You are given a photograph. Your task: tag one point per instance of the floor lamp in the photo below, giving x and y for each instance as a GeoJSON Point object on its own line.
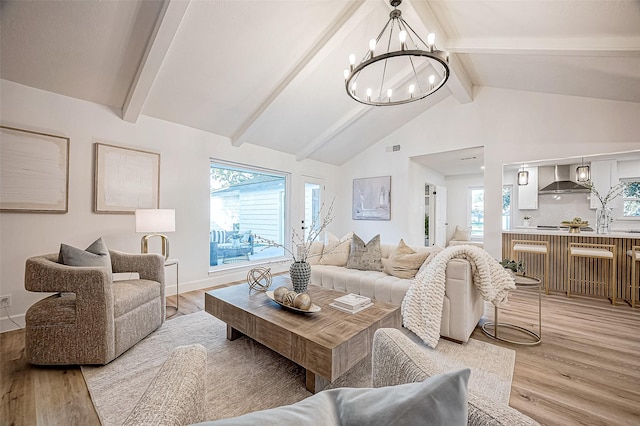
{"type": "Point", "coordinates": [155, 221]}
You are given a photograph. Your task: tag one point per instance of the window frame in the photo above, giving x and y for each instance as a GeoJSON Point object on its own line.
{"type": "Point", "coordinates": [625, 199]}
{"type": "Point", "coordinates": [286, 219]}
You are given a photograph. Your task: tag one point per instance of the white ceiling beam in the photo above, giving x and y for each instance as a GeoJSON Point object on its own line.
{"type": "Point", "coordinates": [459, 82]}
{"type": "Point", "coordinates": [164, 32]}
{"type": "Point", "coordinates": [320, 49]}
{"type": "Point", "coordinates": [601, 46]}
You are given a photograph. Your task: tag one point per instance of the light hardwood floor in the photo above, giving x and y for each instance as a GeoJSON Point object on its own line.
{"type": "Point", "coordinates": [586, 371]}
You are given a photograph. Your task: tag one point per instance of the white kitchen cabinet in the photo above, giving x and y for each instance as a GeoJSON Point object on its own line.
{"type": "Point", "coordinates": [528, 194]}
{"type": "Point", "coordinates": [604, 175]}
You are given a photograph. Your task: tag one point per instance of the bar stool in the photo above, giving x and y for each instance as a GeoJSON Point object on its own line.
{"type": "Point", "coordinates": [634, 253]}
{"type": "Point", "coordinates": [594, 251]}
{"type": "Point", "coordinates": [533, 247]}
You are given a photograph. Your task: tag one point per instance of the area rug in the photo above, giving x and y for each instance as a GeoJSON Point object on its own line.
{"type": "Point", "coordinates": [245, 376]}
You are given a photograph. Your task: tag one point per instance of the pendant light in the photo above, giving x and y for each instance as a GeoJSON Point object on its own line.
{"type": "Point", "coordinates": [523, 177]}
{"type": "Point", "coordinates": [583, 173]}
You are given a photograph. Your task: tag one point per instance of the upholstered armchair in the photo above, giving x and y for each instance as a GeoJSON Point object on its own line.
{"type": "Point", "coordinates": [92, 319]}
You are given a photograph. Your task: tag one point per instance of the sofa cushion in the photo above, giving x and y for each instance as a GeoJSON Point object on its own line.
{"type": "Point", "coordinates": [365, 257]}
{"type": "Point", "coordinates": [96, 254]}
{"type": "Point", "coordinates": [336, 251]}
{"type": "Point", "coordinates": [439, 400]}
{"type": "Point", "coordinates": [404, 262]}
{"type": "Point", "coordinates": [131, 294]}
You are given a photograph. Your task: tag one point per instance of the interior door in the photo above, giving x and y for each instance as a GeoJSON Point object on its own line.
{"type": "Point", "coordinates": [313, 197]}
{"type": "Point", "coordinates": [440, 195]}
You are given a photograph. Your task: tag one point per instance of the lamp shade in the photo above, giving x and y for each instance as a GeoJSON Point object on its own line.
{"type": "Point", "coordinates": [155, 220]}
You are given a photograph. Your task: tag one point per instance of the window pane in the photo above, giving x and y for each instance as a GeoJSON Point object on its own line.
{"type": "Point", "coordinates": [631, 196]}
{"type": "Point", "coordinates": [477, 212]}
{"type": "Point", "coordinates": [506, 206]}
{"type": "Point", "coordinates": [243, 203]}
{"type": "Point", "coordinates": [311, 207]}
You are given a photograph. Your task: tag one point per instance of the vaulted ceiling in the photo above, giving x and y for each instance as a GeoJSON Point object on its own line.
{"type": "Point", "coordinates": [269, 72]}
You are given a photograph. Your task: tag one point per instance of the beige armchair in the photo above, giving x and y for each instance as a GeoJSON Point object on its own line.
{"type": "Point", "coordinates": [92, 319]}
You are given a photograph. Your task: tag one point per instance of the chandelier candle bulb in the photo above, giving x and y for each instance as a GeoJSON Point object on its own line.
{"type": "Point", "coordinates": [369, 92]}
{"type": "Point", "coordinates": [353, 87]}
{"type": "Point", "coordinates": [432, 80]}
{"type": "Point", "coordinates": [389, 92]}
{"type": "Point", "coordinates": [412, 88]}
{"type": "Point", "coordinates": [403, 39]}
{"type": "Point", "coordinates": [346, 74]}
{"type": "Point", "coordinates": [431, 40]}
{"type": "Point", "coordinates": [372, 46]}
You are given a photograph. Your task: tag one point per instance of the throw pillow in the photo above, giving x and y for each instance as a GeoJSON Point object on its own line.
{"type": "Point", "coordinates": [462, 234]}
{"type": "Point", "coordinates": [96, 254]}
{"type": "Point", "coordinates": [439, 400]}
{"type": "Point", "coordinates": [335, 251]}
{"type": "Point", "coordinates": [366, 257]}
{"type": "Point", "coordinates": [404, 262]}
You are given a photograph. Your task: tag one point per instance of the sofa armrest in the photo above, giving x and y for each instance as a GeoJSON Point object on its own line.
{"type": "Point", "coordinates": [466, 306]}
{"type": "Point", "coordinates": [396, 360]}
{"type": "Point", "coordinates": [177, 395]}
{"type": "Point", "coordinates": [150, 266]}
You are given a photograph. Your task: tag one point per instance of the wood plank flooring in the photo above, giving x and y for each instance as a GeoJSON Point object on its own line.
{"type": "Point", "coordinates": [585, 372]}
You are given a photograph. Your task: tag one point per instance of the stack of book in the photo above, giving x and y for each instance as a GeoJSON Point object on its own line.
{"type": "Point", "coordinates": [351, 303]}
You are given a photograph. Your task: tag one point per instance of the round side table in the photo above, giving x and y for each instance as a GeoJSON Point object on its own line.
{"type": "Point", "coordinates": [521, 282]}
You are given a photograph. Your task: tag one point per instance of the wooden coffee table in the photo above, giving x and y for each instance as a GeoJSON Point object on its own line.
{"type": "Point", "coordinates": [326, 343]}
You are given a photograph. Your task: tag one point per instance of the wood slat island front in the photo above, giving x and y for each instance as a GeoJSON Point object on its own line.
{"type": "Point", "coordinates": [558, 255]}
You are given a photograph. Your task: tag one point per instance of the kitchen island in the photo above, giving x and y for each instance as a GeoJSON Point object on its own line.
{"type": "Point", "coordinates": [558, 255]}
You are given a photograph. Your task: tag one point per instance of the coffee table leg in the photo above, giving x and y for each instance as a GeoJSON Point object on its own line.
{"type": "Point", "coordinates": [315, 383]}
{"type": "Point", "coordinates": [232, 333]}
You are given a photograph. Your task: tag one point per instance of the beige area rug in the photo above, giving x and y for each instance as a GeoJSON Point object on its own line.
{"type": "Point", "coordinates": [245, 376]}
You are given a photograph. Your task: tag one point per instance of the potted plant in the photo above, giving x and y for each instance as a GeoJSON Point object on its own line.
{"type": "Point", "coordinates": [516, 266]}
{"type": "Point", "coordinates": [526, 220]}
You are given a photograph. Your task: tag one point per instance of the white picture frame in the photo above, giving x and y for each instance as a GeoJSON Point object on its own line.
{"type": "Point", "coordinates": [34, 171]}
{"type": "Point", "coordinates": [125, 179]}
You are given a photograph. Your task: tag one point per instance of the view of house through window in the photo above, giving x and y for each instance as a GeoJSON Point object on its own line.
{"type": "Point", "coordinates": [245, 202]}
{"type": "Point", "coordinates": [631, 198]}
{"type": "Point", "coordinates": [477, 212]}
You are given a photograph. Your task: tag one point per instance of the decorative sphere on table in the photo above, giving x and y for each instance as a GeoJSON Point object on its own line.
{"type": "Point", "coordinates": [302, 301]}
{"type": "Point", "coordinates": [289, 298]}
{"type": "Point", "coordinates": [259, 279]}
{"type": "Point", "coordinates": [279, 293]}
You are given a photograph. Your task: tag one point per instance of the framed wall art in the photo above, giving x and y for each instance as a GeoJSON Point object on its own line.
{"type": "Point", "coordinates": [34, 172]}
{"type": "Point", "coordinates": [125, 179]}
{"type": "Point", "coordinates": [372, 198]}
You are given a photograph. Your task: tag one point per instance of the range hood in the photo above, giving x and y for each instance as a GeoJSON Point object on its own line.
{"type": "Point", "coordinates": [563, 184]}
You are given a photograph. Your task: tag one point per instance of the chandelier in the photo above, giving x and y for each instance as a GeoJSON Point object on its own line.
{"type": "Point", "coordinates": [397, 75]}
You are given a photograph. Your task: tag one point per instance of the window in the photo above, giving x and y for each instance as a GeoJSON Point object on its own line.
{"type": "Point", "coordinates": [477, 212]}
{"type": "Point", "coordinates": [245, 202]}
{"type": "Point", "coordinates": [631, 198]}
{"type": "Point", "coordinates": [506, 206]}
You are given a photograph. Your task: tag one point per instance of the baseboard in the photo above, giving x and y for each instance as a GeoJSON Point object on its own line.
{"type": "Point", "coordinates": [7, 325]}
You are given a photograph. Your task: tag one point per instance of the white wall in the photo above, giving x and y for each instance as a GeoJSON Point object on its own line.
{"type": "Point", "coordinates": [184, 185]}
{"type": "Point", "coordinates": [513, 126]}
{"type": "Point", "coordinates": [459, 200]}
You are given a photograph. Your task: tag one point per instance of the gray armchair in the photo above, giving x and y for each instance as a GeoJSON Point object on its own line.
{"type": "Point", "coordinates": [92, 319]}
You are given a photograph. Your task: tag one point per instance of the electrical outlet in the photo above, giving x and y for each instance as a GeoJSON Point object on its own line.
{"type": "Point", "coordinates": [5, 301]}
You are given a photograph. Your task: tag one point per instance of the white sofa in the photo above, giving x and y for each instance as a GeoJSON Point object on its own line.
{"type": "Point", "coordinates": [463, 306]}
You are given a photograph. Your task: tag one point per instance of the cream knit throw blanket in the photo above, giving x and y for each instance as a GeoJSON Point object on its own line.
{"type": "Point", "coordinates": [422, 305]}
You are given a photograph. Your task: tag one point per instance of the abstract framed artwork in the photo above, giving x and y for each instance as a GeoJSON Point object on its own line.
{"type": "Point", "coordinates": [372, 198]}
{"type": "Point", "coordinates": [34, 172]}
{"type": "Point", "coordinates": [125, 179]}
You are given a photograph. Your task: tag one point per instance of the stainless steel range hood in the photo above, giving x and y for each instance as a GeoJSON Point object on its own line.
{"type": "Point", "coordinates": [563, 184]}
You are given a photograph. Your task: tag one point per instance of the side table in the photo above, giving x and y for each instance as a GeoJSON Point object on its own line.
{"type": "Point", "coordinates": [171, 262]}
{"type": "Point", "coordinates": [521, 282]}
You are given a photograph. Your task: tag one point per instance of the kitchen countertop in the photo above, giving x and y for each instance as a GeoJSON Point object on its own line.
{"type": "Point", "coordinates": [535, 231]}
